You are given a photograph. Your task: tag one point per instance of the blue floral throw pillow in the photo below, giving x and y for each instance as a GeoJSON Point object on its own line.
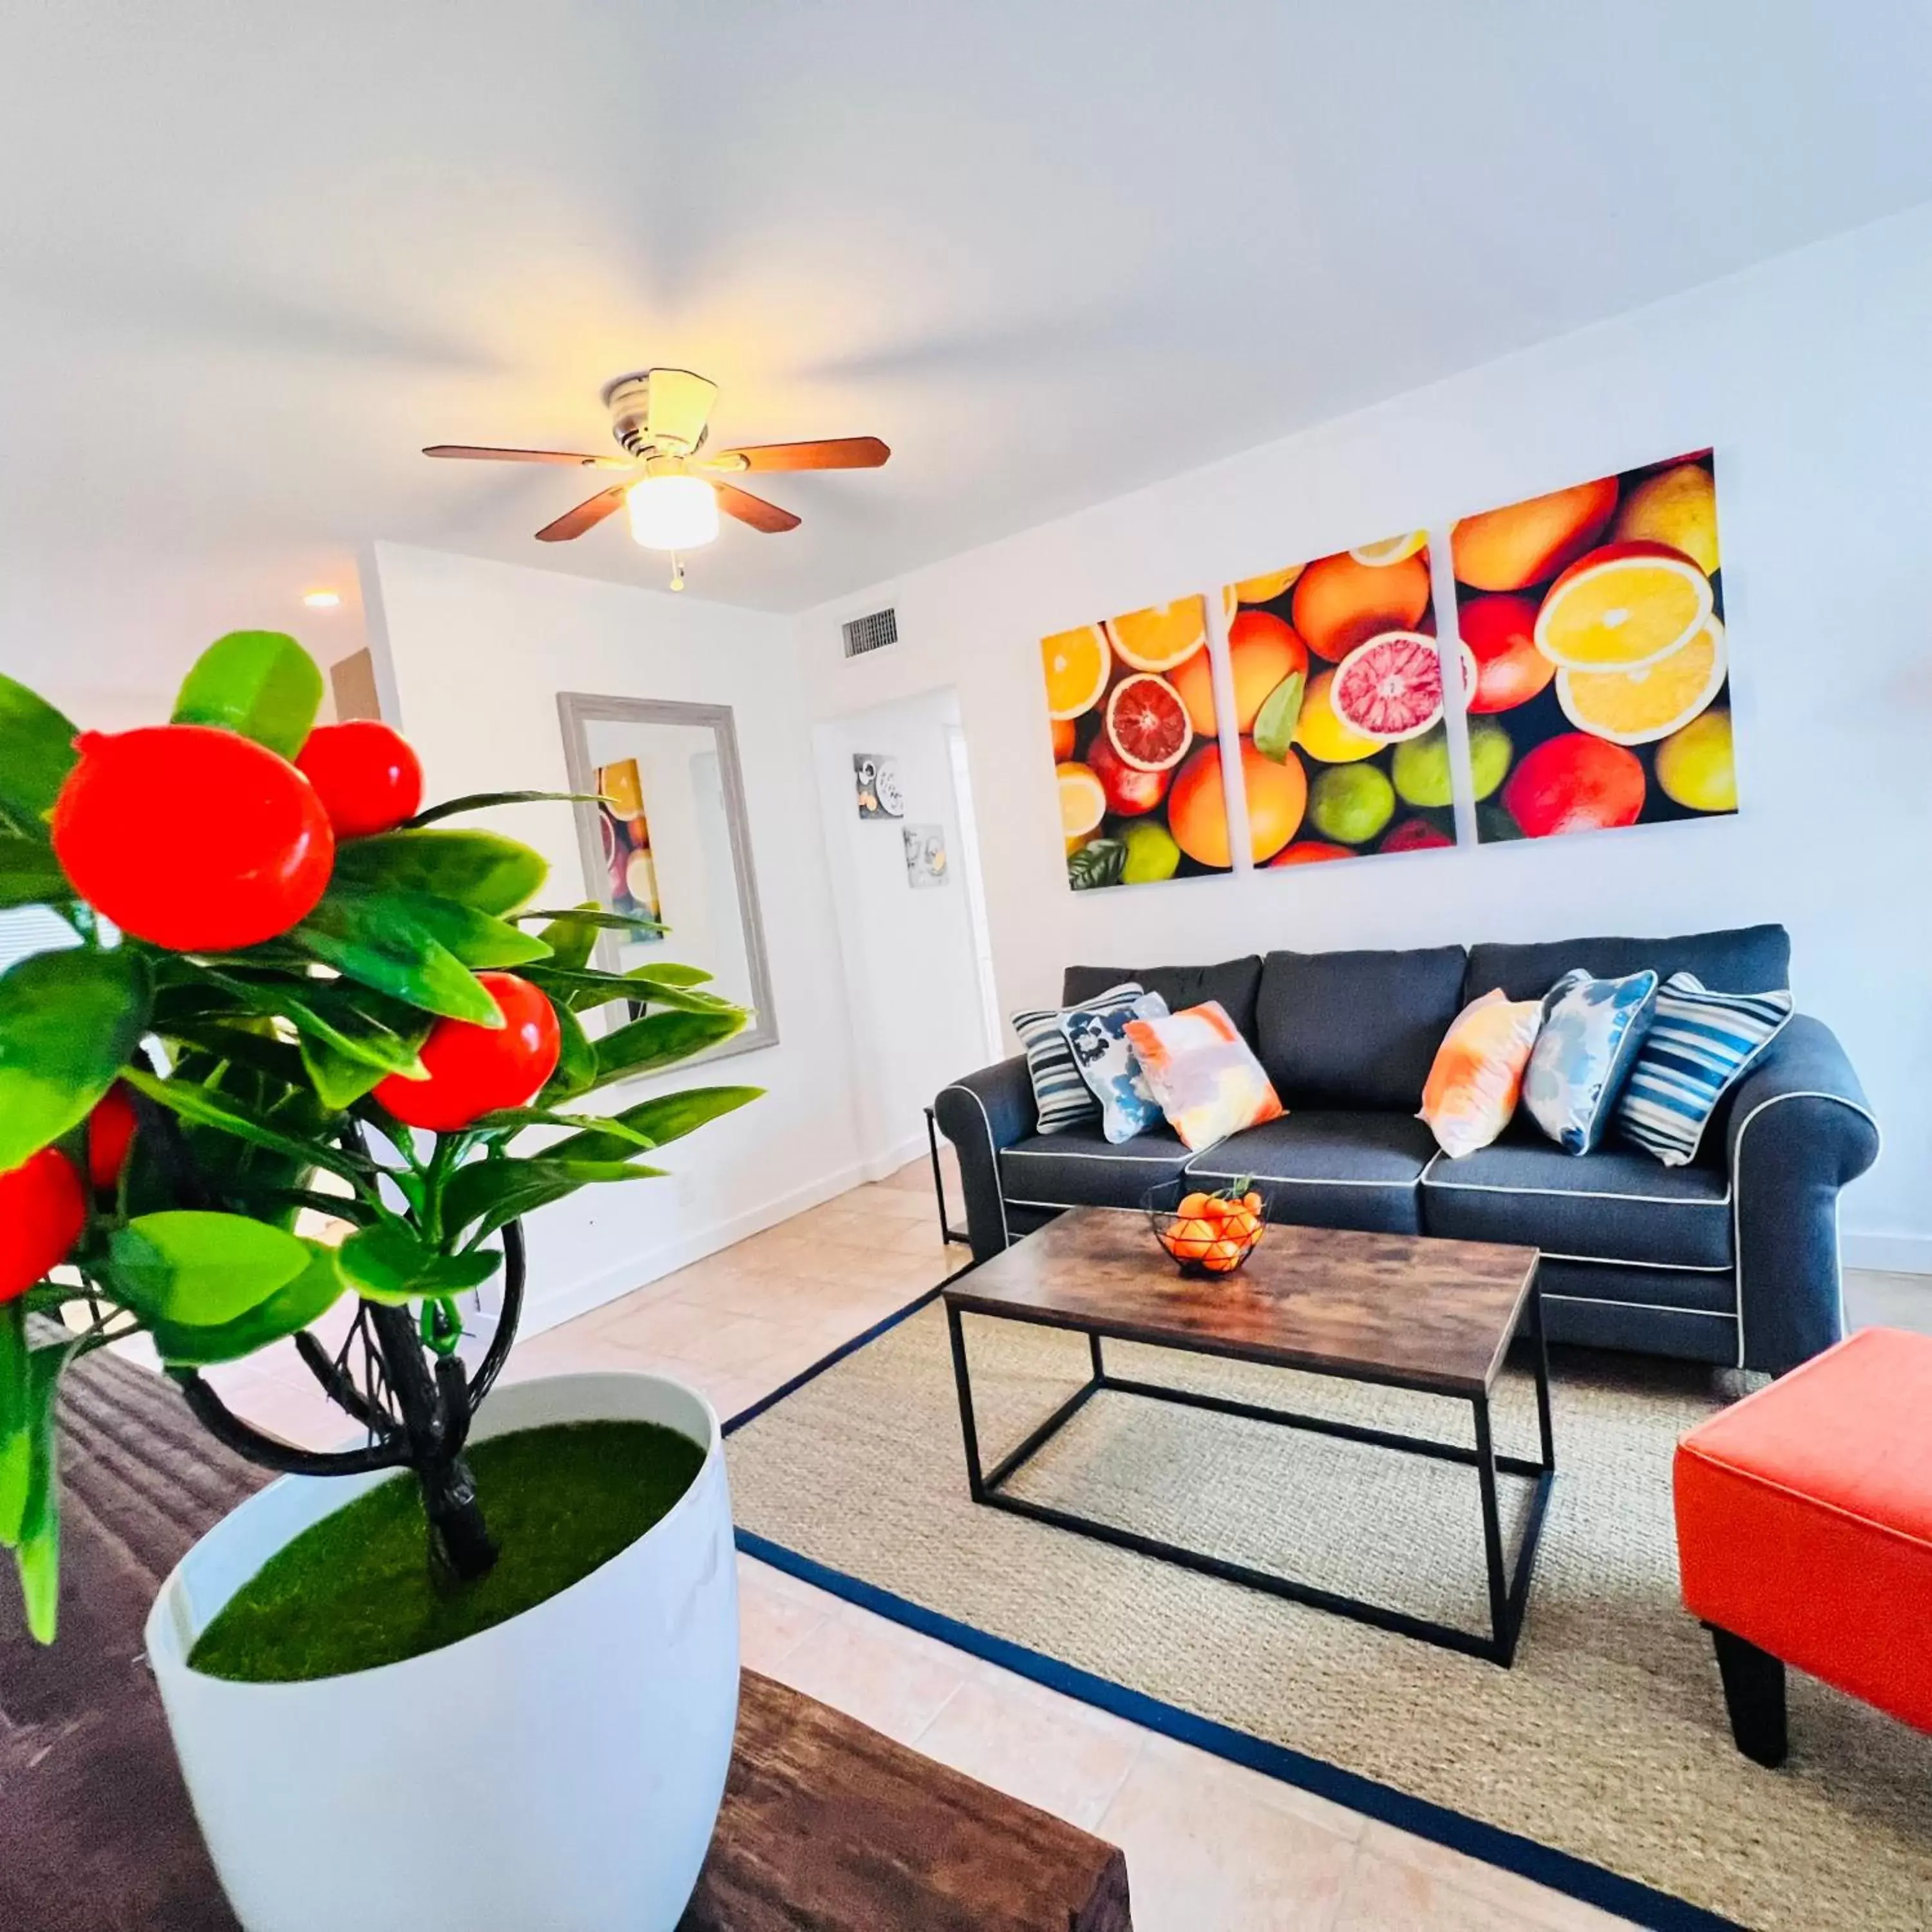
{"type": "Point", "coordinates": [1097, 1035]}
{"type": "Point", "coordinates": [1062, 1098]}
{"type": "Point", "coordinates": [1592, 1030]}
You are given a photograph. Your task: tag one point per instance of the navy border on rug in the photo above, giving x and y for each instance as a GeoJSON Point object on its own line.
{"type": "Point", "coordinates": [1561, 1871]}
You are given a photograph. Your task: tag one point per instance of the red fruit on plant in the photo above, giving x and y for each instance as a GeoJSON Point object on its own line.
{"type": "Point", "coordinates": [192, 838]}
{"type": "Point", "coordinates": [474, 1070]}
{"type": "Point", "coordinates": [110, 1131]}
{"type": "Point", "coordinates": [1414, 835]}
{"type": "Point", "coordinates": [1129, 790]}
{"type": "Point", "coordinates": [1575, 783]}
{"type": "Point", "coordinates": [1500, 633]}
{"type": "Point", "coordinates": [366, 775]}
{"type": "Point", "coordinates": [42, 1212]}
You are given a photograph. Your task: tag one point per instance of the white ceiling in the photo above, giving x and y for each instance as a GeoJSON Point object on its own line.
{"type": "Point", "coordinates": [252, 257]}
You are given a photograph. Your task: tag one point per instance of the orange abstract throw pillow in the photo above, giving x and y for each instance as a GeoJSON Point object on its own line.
{"type": "Point", "coordinates": [1202, 1074]}
{"type": "Point", "coordinates": [1478, 1077]}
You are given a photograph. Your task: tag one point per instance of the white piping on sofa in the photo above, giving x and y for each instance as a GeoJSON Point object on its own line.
{"type": "Point", "coordinates": [1737, 1231]}
{"type": "Point", "coordinates": [993, 1154]}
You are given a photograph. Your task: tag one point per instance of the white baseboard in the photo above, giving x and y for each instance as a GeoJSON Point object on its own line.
{"type": "Point", "coordinates": [636, 1270]}
{"type": "Point", "coordinates": [1890, 1254]}
{"type": "Point", "coordinates": [882, 1166]}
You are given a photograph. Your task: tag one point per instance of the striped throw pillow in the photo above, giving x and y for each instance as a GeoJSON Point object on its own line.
{"type": "Point", "coordinates": [1697, 1045]}
{"type": "Point", "coordinates": [1064, 1098]}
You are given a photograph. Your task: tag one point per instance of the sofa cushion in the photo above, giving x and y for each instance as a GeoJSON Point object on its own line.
{"type": "Point", "coordinates": [1329, 1169]}
{"type": "Point", "coordinates": [1614, 1205]}
{"type": "Point", "coordinates": [1079, 1169]}
{"type": "Point", "coordinates": [1356, 1030]}
{"type": "Point", "coordinates": [1748, 959]}
{"type": "Point", "coordinates": [1232, 983]}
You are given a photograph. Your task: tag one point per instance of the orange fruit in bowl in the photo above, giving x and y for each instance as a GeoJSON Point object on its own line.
{"type": "Point", "coordinates": [1638, 707]}
{"type": "Point", "coordinates": [1528, 542]}
{"type": "Point", "coordinates": [1252, 1202]}
{"type": "Point", "coordinates": [1621, 606]}
{"type": "Point", "coordinates": [1340, 603]}
{"type": "Point", "coordinates": [1193, 1203]}
{"type": "Point", "coordinates": [1078, 667]}
{"type": "Point", "coordinates": [1188, 1240]}
{"type": "Point", "coordinates": [1223, 1257]}
{"type": "Point", "coordinates": [1161, 637]}
{"type": "Point", "coordinates": [1083, 799]}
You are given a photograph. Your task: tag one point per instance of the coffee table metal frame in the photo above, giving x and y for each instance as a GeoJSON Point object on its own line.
{"type": "Point", "coordinates": [1507, 1594]}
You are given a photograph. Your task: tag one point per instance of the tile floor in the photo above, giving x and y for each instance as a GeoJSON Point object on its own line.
{"type": "Point", "coordinates": [1210, 1847]}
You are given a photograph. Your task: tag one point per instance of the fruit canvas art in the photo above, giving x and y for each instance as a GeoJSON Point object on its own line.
{"type": "Point", "coordinates": [1137, 758]}
{"type": "Point", "coordinates": [1592, 622]}
{"type": "Point", "coordinates": [1339, 695]}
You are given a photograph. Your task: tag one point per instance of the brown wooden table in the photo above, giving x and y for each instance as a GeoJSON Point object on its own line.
{"type": "Point", "coordinates": [826, 1825]}
{"type": "Point", "coordinates": [1404, 1311]}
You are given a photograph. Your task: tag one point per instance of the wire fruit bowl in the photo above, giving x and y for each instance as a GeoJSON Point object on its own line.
{"type": "Point", "coordinates": [1208, 1233]}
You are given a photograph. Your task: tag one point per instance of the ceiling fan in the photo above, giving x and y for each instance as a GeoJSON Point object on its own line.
{"type": "Point", "coordinates": [660, 419]}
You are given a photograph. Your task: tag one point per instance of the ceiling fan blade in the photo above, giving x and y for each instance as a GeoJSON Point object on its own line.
{"type": "Point", "coordinates": [473, 453]}
{"type": "Point", "coordinates": [587, 515]}
{"type": "Point", "coordinates": [837, 452]}
{"type": "Point", "coordinates": [753, 510]}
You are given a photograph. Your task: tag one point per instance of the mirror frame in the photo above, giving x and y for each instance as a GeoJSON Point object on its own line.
{"type": "Point", "coordinates": [577, 710]}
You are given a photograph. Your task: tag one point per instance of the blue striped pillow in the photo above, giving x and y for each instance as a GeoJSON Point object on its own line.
{"type": "Point", "coordinates": [1697, 1045]}
{"type": "Point", "coordinates": [1064, 1099]}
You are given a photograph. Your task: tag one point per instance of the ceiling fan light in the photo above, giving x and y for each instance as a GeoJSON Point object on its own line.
{"type": "Point", "coordinates": [673, 512]}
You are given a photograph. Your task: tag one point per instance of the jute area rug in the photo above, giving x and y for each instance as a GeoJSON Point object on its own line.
{"type": "Point", "coordinates": [1607, 1740]}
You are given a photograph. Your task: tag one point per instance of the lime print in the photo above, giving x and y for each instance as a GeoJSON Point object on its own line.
{"type": "Point", "coordinates": [1152, 854]}
{"type": "Point", "coordinates": [1352, 803]}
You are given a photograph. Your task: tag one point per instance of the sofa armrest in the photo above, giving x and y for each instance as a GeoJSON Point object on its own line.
{"type": "Point", "coordinates": [980, 1115]}
{"type": "Point", "coordinates": [1799, 1129]}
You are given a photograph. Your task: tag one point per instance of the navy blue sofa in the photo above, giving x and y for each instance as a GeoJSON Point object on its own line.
{"type": "Point", "coordinates": [1732, 1259]}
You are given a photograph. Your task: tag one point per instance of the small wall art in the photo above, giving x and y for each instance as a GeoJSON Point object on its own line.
{"type": "Point", "coordinates": [1593, 631]}
{"type": "Point", "coordinates": [1136, 757]}
{"type": "Point", "coordinates": [876, 780]}
{"type": "Point", "coordinates": [926, 855]}
{"type": "Point", "coordinates": [1339, 695]}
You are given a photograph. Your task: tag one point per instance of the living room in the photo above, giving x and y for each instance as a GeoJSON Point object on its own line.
{"type": "Point", "coordinates": [1280, 450]}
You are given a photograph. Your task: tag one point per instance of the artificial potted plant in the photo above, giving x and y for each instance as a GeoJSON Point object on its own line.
{"type": "Point", "coordinates": [310, 1047]}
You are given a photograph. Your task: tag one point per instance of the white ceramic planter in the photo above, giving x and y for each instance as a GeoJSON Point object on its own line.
{"type": "Point", "coordinates": [561, 1771]}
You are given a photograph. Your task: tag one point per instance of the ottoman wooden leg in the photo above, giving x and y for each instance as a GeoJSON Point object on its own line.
{"type": "Point", "coordinates": [1754, 1696]}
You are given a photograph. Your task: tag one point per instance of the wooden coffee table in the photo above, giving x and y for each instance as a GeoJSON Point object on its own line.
{"type": "Point", "coordinates": [1403, 1311]}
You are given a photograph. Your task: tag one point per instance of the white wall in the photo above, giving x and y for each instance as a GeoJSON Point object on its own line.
{"type": "Point", "coordinates": [478, 652]}
{"type": "Point", "coordinates": [1809, 374]}
{"type": "Point", "coordinates": [910, 971]}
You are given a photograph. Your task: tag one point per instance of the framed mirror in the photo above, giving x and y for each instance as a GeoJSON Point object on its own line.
{"type": "Point", "coordinates": [671, 841]}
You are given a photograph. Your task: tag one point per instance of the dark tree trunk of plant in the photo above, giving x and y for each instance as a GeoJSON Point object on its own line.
{"type": "Point", "coordinates": [435, 1411]}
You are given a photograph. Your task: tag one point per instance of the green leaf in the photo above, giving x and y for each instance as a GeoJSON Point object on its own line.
{"type": "Point", "coordinates": [585, 991]}
{"type": "Point", "coordinates": [16, 1439]}
{"type": "Point", "coordinates": [601, 919]}
{"type": "Point", "coordinates": [513, 1120]}
{"type": "Point", "coordinates": [492, 874]}
{"type": "Point", "coordinates": [203, 1107]}
{"type": "Point", "coordinates": [481, 801]}
{"type": "Point", "coordinates": [184, 1266]}
{"type": "Point", "coordinates": [36, 755]}
{"type": "Point", "coordinates": [374, 938]}
{"type": "Point", "coordinates": [30, 875]}
{"type": "Point", "coordinates": [331, 1013]}
{"type": "Point", "coordinates": [260, 683]}
{"type": "Point", "coordinates": [1275, 721]}
{"type": "Point", "coordinates": [1099, 863]}
{"type": "Point", "coordinates": [495, 1192]}
{"type": "Point", "coordinates": [37, 1557]}
{"type": "Point", "coordinates": [572, 937]}
{"type": "Point", "coordinates": [668, 1118]}
{"type": "Point", "coordinates": [576, 1061]}
{"type": "Point", "coordinates": [69, 1022]}
{"type": "Point", "coordinates": [476, 938]}
{"type": "Point", "coordinates": [391, 1263]}
{"type": "Point", "coordinates": [668, 972]}
{"type": "Point", "coordinates": [661, 1039]}
{"type": "Point", "coordinates": [292, 1307]}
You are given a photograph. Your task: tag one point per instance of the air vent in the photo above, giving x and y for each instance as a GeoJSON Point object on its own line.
{"type": "Point", "coordinates": [872, 633]}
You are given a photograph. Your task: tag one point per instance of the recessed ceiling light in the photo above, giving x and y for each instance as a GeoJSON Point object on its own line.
{"type": "Point", "coordinates": [322, 600]}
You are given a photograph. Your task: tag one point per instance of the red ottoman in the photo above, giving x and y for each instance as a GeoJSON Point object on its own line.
{"type": "Point", "coordinates": [1804, 1535]}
